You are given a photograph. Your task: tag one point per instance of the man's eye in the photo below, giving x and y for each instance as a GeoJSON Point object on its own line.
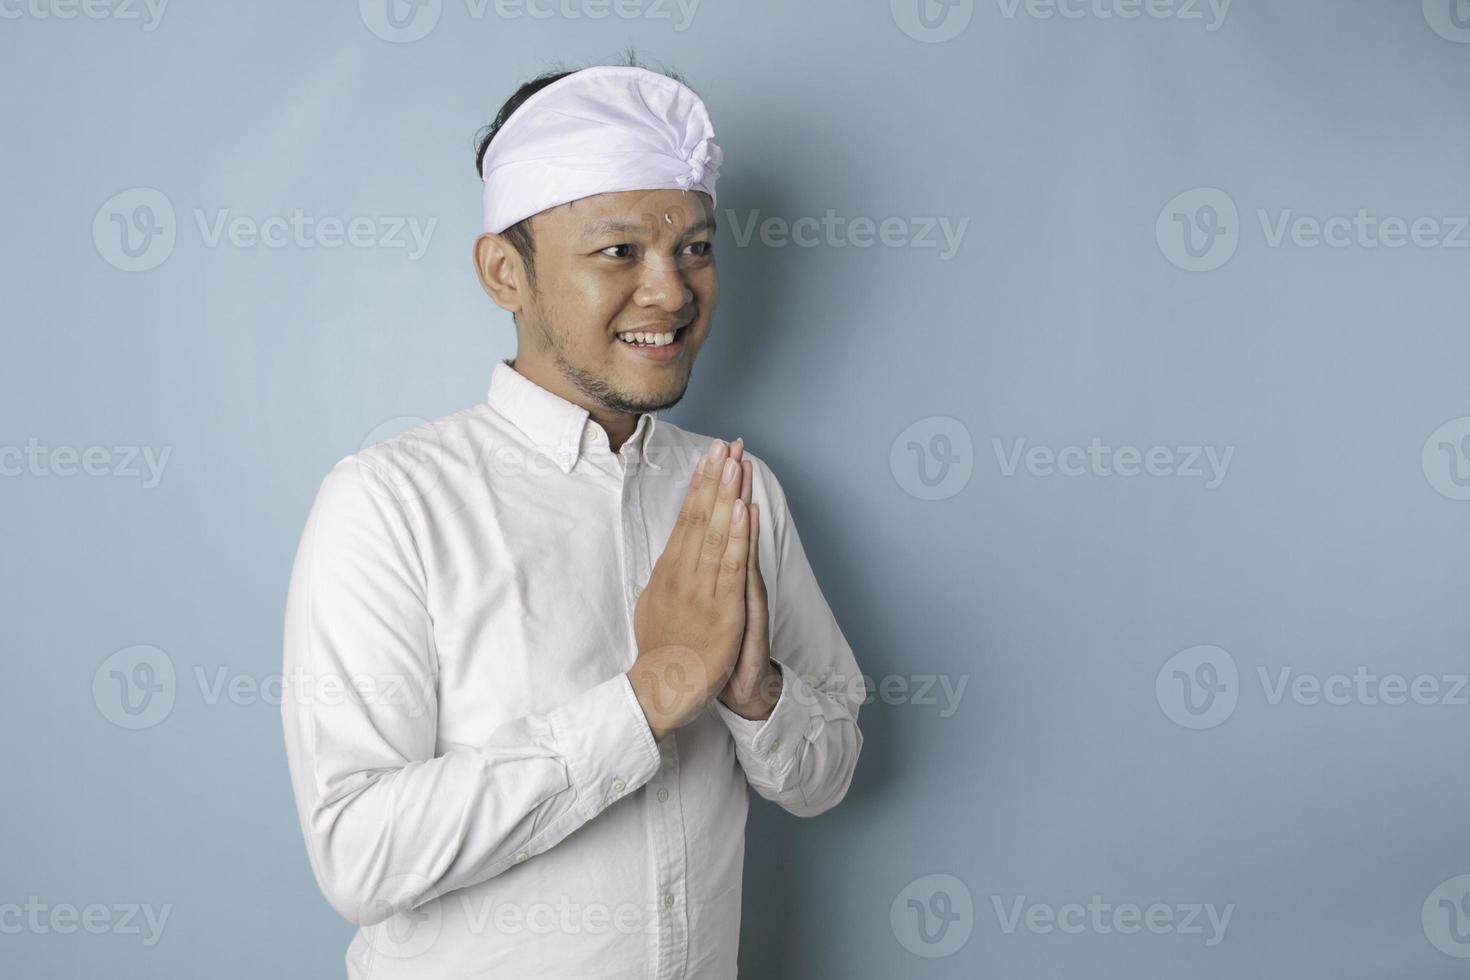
{"type": "Point", "coordinates": [624, 255]}
{"type": "Point", "coordinates": [702, 248]}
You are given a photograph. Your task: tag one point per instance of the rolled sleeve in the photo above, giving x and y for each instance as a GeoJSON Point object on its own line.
{"type": "Point", "coordinates": [767, 747]}
{"type": "Point", "coordinates": [803, 755]}
{"type": "Point", "coordinates": [605, 738]}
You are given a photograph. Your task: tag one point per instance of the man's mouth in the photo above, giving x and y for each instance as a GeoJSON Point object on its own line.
{"type": "Point", "coordinates": [653, 338]}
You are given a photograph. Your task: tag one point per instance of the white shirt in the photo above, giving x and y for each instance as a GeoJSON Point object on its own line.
{"type": "Point", "coordinates": [477, 784]}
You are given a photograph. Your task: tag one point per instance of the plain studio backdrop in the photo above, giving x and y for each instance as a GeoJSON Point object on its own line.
{"type": "Point", "coordinates": [1112, 354]}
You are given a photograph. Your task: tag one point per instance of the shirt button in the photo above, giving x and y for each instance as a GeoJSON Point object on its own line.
{"type": "Point", "coordinates": [668, 899]}
{"type": "Point", "coordinates": [521, 856]}
{"type": "Point", "coordinates": [637, 591]}
{"type": "Point", "coordinates": [663, 795]}
{"type": "Point", "coordinates": [775, 744]}
{"type": "Point", "coordinates": [564, 457]}
{"type": "Point", "coordinates": [617, 785]}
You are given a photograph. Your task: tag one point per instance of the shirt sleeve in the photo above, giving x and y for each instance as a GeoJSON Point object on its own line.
{"type": "Point", "coordinates": [388, 823]}
{"type": "Point", "coordinates": [803, 755]}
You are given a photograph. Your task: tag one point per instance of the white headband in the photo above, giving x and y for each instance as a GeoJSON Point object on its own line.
{"type": "Point", "coordinates": [597, 131]}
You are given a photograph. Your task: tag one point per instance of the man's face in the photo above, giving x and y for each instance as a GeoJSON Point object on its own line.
{"type": "Point", "coordinates": [640, 261]}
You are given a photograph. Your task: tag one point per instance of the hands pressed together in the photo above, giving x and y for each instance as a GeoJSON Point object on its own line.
{"type": "Point", "coordinates": [702, 623]}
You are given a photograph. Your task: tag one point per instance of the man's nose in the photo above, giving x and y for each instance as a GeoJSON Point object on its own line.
{"type": "Point", "coordinates": [662, 285]}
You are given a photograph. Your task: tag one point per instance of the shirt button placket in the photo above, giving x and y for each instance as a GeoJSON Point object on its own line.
{"type": "Point", "coordinates": [667, 819]}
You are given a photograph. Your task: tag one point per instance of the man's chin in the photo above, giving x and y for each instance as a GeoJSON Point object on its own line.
{"type": "Point", "coordinates": [638, 399]}
{"type": "Point", "coordinates": [622, 384]}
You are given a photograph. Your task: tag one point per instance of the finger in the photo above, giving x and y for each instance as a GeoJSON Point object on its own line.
{"type": "Point", "coordinates": [737, 453]}
{"type": "Point", "coordinates": [674, 546]}
{"type": "Point", "coordinates": [755, 585]}
{"type": "Point", "coordinates": [733, 565]}
{"type": "Point", "coordinates": [716, 536]}
{"type": "Point", "coordinates": [699, 502]}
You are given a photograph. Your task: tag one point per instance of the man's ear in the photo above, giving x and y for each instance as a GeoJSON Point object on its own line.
{"type": "Point", "coordinates": [502, 275]}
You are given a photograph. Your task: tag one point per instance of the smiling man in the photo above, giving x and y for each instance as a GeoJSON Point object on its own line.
{"type": "Point", "coordinates": [537, 651]}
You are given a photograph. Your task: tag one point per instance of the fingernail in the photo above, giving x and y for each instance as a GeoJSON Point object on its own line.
{"type": "Point", "coordinates": [716, 450]}
{"type": "Point", "coordinates": [730, 470]}
{"type": "Point", "coordinates": [737, 513]}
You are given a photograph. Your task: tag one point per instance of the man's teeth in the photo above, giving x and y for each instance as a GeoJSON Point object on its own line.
{"type": "Point", "coordinates": [648, 339]}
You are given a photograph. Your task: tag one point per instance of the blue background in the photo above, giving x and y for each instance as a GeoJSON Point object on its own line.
{"type": "Point", "coordinates": [1334, 541]}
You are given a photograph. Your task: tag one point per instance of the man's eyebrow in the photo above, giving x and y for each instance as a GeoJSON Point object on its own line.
{"type": "Point", "coordinates": [610, 227]}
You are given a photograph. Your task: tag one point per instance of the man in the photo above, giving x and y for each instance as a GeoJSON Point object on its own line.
{"type": "Point", "coordinates": [520, 746]}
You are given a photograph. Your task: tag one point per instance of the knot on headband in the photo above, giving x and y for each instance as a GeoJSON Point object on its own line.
{"type": "Point", "coordinates": [598, 131]}
{"type": "Point", "coordinates": [706, 155]}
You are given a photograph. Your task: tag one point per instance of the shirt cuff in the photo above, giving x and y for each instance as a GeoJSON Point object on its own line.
{"type": "Point", "coordinates": [770, 745]}
{"type": "Point", "coordinates": [605, 739]}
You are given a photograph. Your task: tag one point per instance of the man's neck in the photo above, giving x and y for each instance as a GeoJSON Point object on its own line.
{"type": "Point", "coordinates": [619, 426]}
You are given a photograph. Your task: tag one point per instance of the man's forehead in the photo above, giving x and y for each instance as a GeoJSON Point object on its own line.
{"type": "Point", "coordinates": [649, 214]}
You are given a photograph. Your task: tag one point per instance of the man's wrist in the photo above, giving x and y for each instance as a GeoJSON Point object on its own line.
{"type": "Point", "coordinates": [767, 694]}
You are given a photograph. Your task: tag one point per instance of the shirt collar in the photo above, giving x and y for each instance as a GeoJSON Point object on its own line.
{"type": "Point", "coordinates": [552, 423]}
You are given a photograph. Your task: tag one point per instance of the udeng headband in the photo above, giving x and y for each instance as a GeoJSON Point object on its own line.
{"type": "Point", "coordinates": [598, 131]}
